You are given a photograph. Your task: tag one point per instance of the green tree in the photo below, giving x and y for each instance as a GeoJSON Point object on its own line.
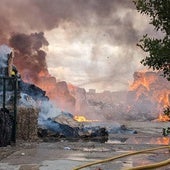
{"type": "Point", "coordinates": [158, 50]}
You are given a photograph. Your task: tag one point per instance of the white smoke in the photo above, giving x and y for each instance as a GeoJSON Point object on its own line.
{"type": "Point", "coordinates": [4, 51]}
{"type": "Point", "coordinates": [48, 110]}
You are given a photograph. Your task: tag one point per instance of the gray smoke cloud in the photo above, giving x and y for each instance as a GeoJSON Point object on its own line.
{"type": "Point", "coordinates": [30, 59]}
{"type": "Point", "coordinates": [4, 52]}
{"type": "Point", "coordinates": [96, 38]}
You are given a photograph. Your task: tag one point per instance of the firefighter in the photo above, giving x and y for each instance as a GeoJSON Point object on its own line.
{"type": "Point", "coordinates": [14, 71]}
{"type": "Point", "coordinates": [166, 131]}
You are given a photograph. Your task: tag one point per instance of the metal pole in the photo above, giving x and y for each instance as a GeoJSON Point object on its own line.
{"type": "Point", "coordinates": [4, 92]}
{"type": "Point", "coordinates": [15, 81]}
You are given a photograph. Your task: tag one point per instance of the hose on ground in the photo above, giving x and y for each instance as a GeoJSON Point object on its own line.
{"type": "Point", "coordinates": [124, 155]}
{"type": "Point", "coordinates": [151, 166]}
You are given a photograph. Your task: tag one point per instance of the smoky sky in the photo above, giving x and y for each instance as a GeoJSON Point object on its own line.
{"type": "Point", "coordinates": [24, 25]}
{"type": "Point", "coordinates": [42, 15]}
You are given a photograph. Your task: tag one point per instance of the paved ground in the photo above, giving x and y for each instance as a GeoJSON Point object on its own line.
{"type": "Point", "coordinates": [66, 155]}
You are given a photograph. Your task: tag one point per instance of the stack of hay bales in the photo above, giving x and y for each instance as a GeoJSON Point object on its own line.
{"type": "Point", "coordinates": [27, 123]}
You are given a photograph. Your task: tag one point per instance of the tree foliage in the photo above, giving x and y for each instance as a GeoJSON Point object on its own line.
{"type": "Point", "coordinates": [158, 50]}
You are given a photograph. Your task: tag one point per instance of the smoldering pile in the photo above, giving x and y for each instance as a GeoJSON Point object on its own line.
{"type": "Point", "coordinates": [55, 124]}
{"type": "Point", "coordinates": [38, 115]}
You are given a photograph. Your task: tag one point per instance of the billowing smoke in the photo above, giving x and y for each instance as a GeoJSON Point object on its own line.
{"type": "Point", "coordinates": [30, 58]}
{"type": "Point", "coordinates": [90, 42]}
{"type": "Point", "coordinates": [4, 51]}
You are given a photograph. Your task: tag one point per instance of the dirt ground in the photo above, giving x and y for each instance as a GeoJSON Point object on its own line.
{"type": "Point", "coordinates": [67, 155]}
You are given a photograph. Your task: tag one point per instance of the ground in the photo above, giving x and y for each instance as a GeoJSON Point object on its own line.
{"type": "Point", "coordinates": [67, 155]}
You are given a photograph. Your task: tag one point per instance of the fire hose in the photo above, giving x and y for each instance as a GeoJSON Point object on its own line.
{"type": "Point", "coordinates": [151, 166]}
{"type": "Point", "coordinates": [145, 167]}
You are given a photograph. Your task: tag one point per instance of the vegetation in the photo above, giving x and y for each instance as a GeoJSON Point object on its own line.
{"type": "Point", "coordinates": [158, 49]}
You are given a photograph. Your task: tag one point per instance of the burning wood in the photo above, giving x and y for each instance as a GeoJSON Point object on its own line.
{"type": "Point", "coordinates": [83, 119]}
{"type": "Point", "coordinates": [149, 93]}
{"type": "Point", "coordinates": [64, 125]}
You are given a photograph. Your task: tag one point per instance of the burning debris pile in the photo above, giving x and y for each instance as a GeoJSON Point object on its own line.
{"type": "Point", "coordinates": [146, 99]}
{"type": "Point", "coordinates": [35, 109]}
{"type": "Point", "coordinates": [52, 122]}
{"type": "Point", "coordinates": [64, 126]}
{"type": "Point", "coordinates": [149, 94]}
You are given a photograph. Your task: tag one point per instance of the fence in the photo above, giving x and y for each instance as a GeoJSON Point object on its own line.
{"type": "Point", "coordinates": [8, 111]}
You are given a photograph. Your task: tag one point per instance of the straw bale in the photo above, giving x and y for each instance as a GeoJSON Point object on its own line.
{"type": "Point", "coordinates": [66, 120]}
{"type": "Point", "coordinates": [27, 123]}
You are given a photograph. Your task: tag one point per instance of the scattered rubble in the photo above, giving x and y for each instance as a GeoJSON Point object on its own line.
{"type": "Point", "coordinates": [65, 126]}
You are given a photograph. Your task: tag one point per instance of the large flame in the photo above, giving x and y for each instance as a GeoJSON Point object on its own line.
{"type": "Point", "coordinates": [142, 79]}
{"type": "Point", "coordinates": [155, 88]}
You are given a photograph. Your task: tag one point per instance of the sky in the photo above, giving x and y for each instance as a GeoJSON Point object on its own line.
{"type": "Point", "coordinates": [91, 43]}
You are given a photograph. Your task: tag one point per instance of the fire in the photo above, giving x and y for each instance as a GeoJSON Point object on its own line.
{"type": "Point", "coordinates": [83, 119]}
{"type": "Point", "coordinates": [150, 140]}
{"type": "Point", "coordinates": [43, 74]}
{"type": "Point", "coordinates": [164, 99]}
{"type": "Point", "coordinates": [163, 118]}
{"type": "Point", "coordinates": [151, 87]}
{"type": "Point", "coordinates": [164, 140]}
{"type": "Point", "coordinates": [143, 80]}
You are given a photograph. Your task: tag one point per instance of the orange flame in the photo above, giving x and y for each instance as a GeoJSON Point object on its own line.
{"type": "Point", "coordinates": [164, 140]}
{"type": "Point", "coordinates": [163, 118]}
{"type": "Point", "coordinates": [83, 119]}
{"type": "Point", "coordinates": [151, 85]}
{"type": "Point", "coordinates": [152, 140]}
{"type": "Point", "coordinates": [43, 74]}
{"type": "Point", "coordinates": [143, 80]}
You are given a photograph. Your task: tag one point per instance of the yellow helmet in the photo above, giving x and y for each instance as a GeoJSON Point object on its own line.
{"type": "Point", "coordinates": [12, 73]}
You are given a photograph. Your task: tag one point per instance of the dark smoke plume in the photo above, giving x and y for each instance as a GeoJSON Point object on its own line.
{"type": "Point", "coordinates": [30, 59]}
